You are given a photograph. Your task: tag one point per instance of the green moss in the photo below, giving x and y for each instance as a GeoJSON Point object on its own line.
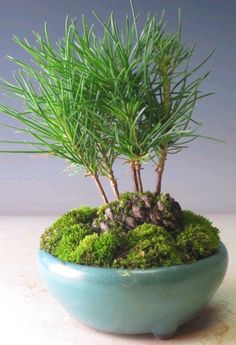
{"type": "Point", "coordinates": [147, 232]}
{"type": "Point", "coordinates": [74, 238]}
{"type": "Point", "coordinates": [101, 210]}
{"type": "Point", "coordinates": [165, 199]}
{"type": "Point", "coordinates": [72, 224]}
{"type": "Point", "coordinates": [124, 200]}
{"type": "Point", "coordinates": [191, 218]}
{"type": "Point", "coordinates": [198, 239]}
{"type": "Point", "coordinates": [83, 214]}
{"type": "Point", "coordinates": [97, 250]}
{"type": "Point", "coordinates": [71, 238]}
{"type": "Point", "coordinates": [149, 246]}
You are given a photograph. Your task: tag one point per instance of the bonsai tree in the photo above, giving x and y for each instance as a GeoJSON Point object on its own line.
{"type": "Point", "coordinates": [91, 100]}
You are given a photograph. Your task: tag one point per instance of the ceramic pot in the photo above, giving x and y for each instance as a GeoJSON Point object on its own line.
{"type": "Point", "coordinates": [135, 301]}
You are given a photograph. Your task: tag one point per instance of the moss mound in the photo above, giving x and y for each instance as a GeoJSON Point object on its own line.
{"type": "Point", "coordinates": [148, 245]}
{"type": "Point", "coordinates": [160, 234]}
{"type": "Point", "coordinates": [97, 250]}
{"type": "Point", "coordinates": [68, 231]}
{"type": "Point", "coordinates": [198, 239]}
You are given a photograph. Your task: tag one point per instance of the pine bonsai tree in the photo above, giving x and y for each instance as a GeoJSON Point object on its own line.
{"type": "Point", "coordinates": [91, 100]}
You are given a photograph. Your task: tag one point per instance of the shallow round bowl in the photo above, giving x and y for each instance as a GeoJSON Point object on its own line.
{"type": "Point", "coordinates": [156, 300]}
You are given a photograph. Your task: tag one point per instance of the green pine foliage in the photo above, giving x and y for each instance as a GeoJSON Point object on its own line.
{"type": "Point", "coordinates": [128, 93]}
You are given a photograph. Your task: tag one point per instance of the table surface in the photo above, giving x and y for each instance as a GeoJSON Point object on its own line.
{"type": "Point", "coordinates": [30, 315]}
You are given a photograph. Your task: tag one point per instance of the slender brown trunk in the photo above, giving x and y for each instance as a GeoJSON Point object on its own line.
{"type": "Point", "coordinates": [100, 188]}
{"type": "Point", "coordinates": [138, 174]}
{"type": "Point", "coordinates": [166, 90]}
{"type": "Point", "coordinates": [134, 176]}
{"type": "Point", "coordinates": [166, 111]}
{"type": "Point", "coordinates": [114, 184]}
{"type": "Point", "coordinates": [160, 169]}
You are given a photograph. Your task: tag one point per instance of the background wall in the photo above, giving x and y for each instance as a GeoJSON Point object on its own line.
{"type": "Point", "coordinates": [201, 178]}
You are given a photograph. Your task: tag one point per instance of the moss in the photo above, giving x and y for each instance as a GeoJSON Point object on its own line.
{"type": "Point", "coordinates": [101, 210]}
{"type": "Point", "coordinates": [74, 238]}
{"type": "Point", "coordinates": [191, 218]}
{"type": "Point", "coordinates": [124, 200]}
{"type": "Point", "coordinates": [198, 239]}
{"type": "Point", "coordinates": [71, 238]}
{"type": "Point", "coordinates": [97, 250]}
{"type": "Point", "coordinates": [71, 224]}
{"type": "Point", "coordinates": [149, 246]}
{"type": "Point", "coordinates": [83, 214]}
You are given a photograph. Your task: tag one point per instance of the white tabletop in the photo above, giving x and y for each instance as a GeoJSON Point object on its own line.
{"type": "Point", "coordinates": [29, 315]}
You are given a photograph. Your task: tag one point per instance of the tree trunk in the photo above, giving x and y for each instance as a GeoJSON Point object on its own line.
{"type": "Point", "coordinates": [160, 169]}
{"type": "Point", "coordinates": [138, 174]}
{"type": "Point", "coordinates": [100, 188]}
{"type": "Point", "coordinates": [166, 112]}
{"type": "Point", "coordinates": [114, 185]}
{"type": "Point", "coordinates": [134, 176]}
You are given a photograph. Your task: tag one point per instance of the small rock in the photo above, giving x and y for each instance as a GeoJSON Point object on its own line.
{"type": "Point", "coordinates": [160, 205]}
{"type": "Point", "coordinates": [123, 217]}
{"type": "Point", "coordinates": [146, 201]}
{"type": "Point", "coordinates": [103, 226]}
{"type": "Point", "coordinates": [154, 216]}
{"type": "Point", "coordinates": [109, 213]}
{"type": "Point", "coordinates": [137, 211]}
{"type": "Point", "coordinates": [130, 222]}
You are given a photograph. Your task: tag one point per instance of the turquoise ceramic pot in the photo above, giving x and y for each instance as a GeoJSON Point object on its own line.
{"type": "Point", "coordinates": [134, 301]}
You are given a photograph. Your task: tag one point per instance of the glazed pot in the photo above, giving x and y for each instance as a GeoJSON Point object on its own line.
{"type": "Point", "coordinates": [135, 301]}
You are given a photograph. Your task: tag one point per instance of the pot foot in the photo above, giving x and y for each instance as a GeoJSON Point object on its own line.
{"type": "Point", "coordinates": [165, 332]}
